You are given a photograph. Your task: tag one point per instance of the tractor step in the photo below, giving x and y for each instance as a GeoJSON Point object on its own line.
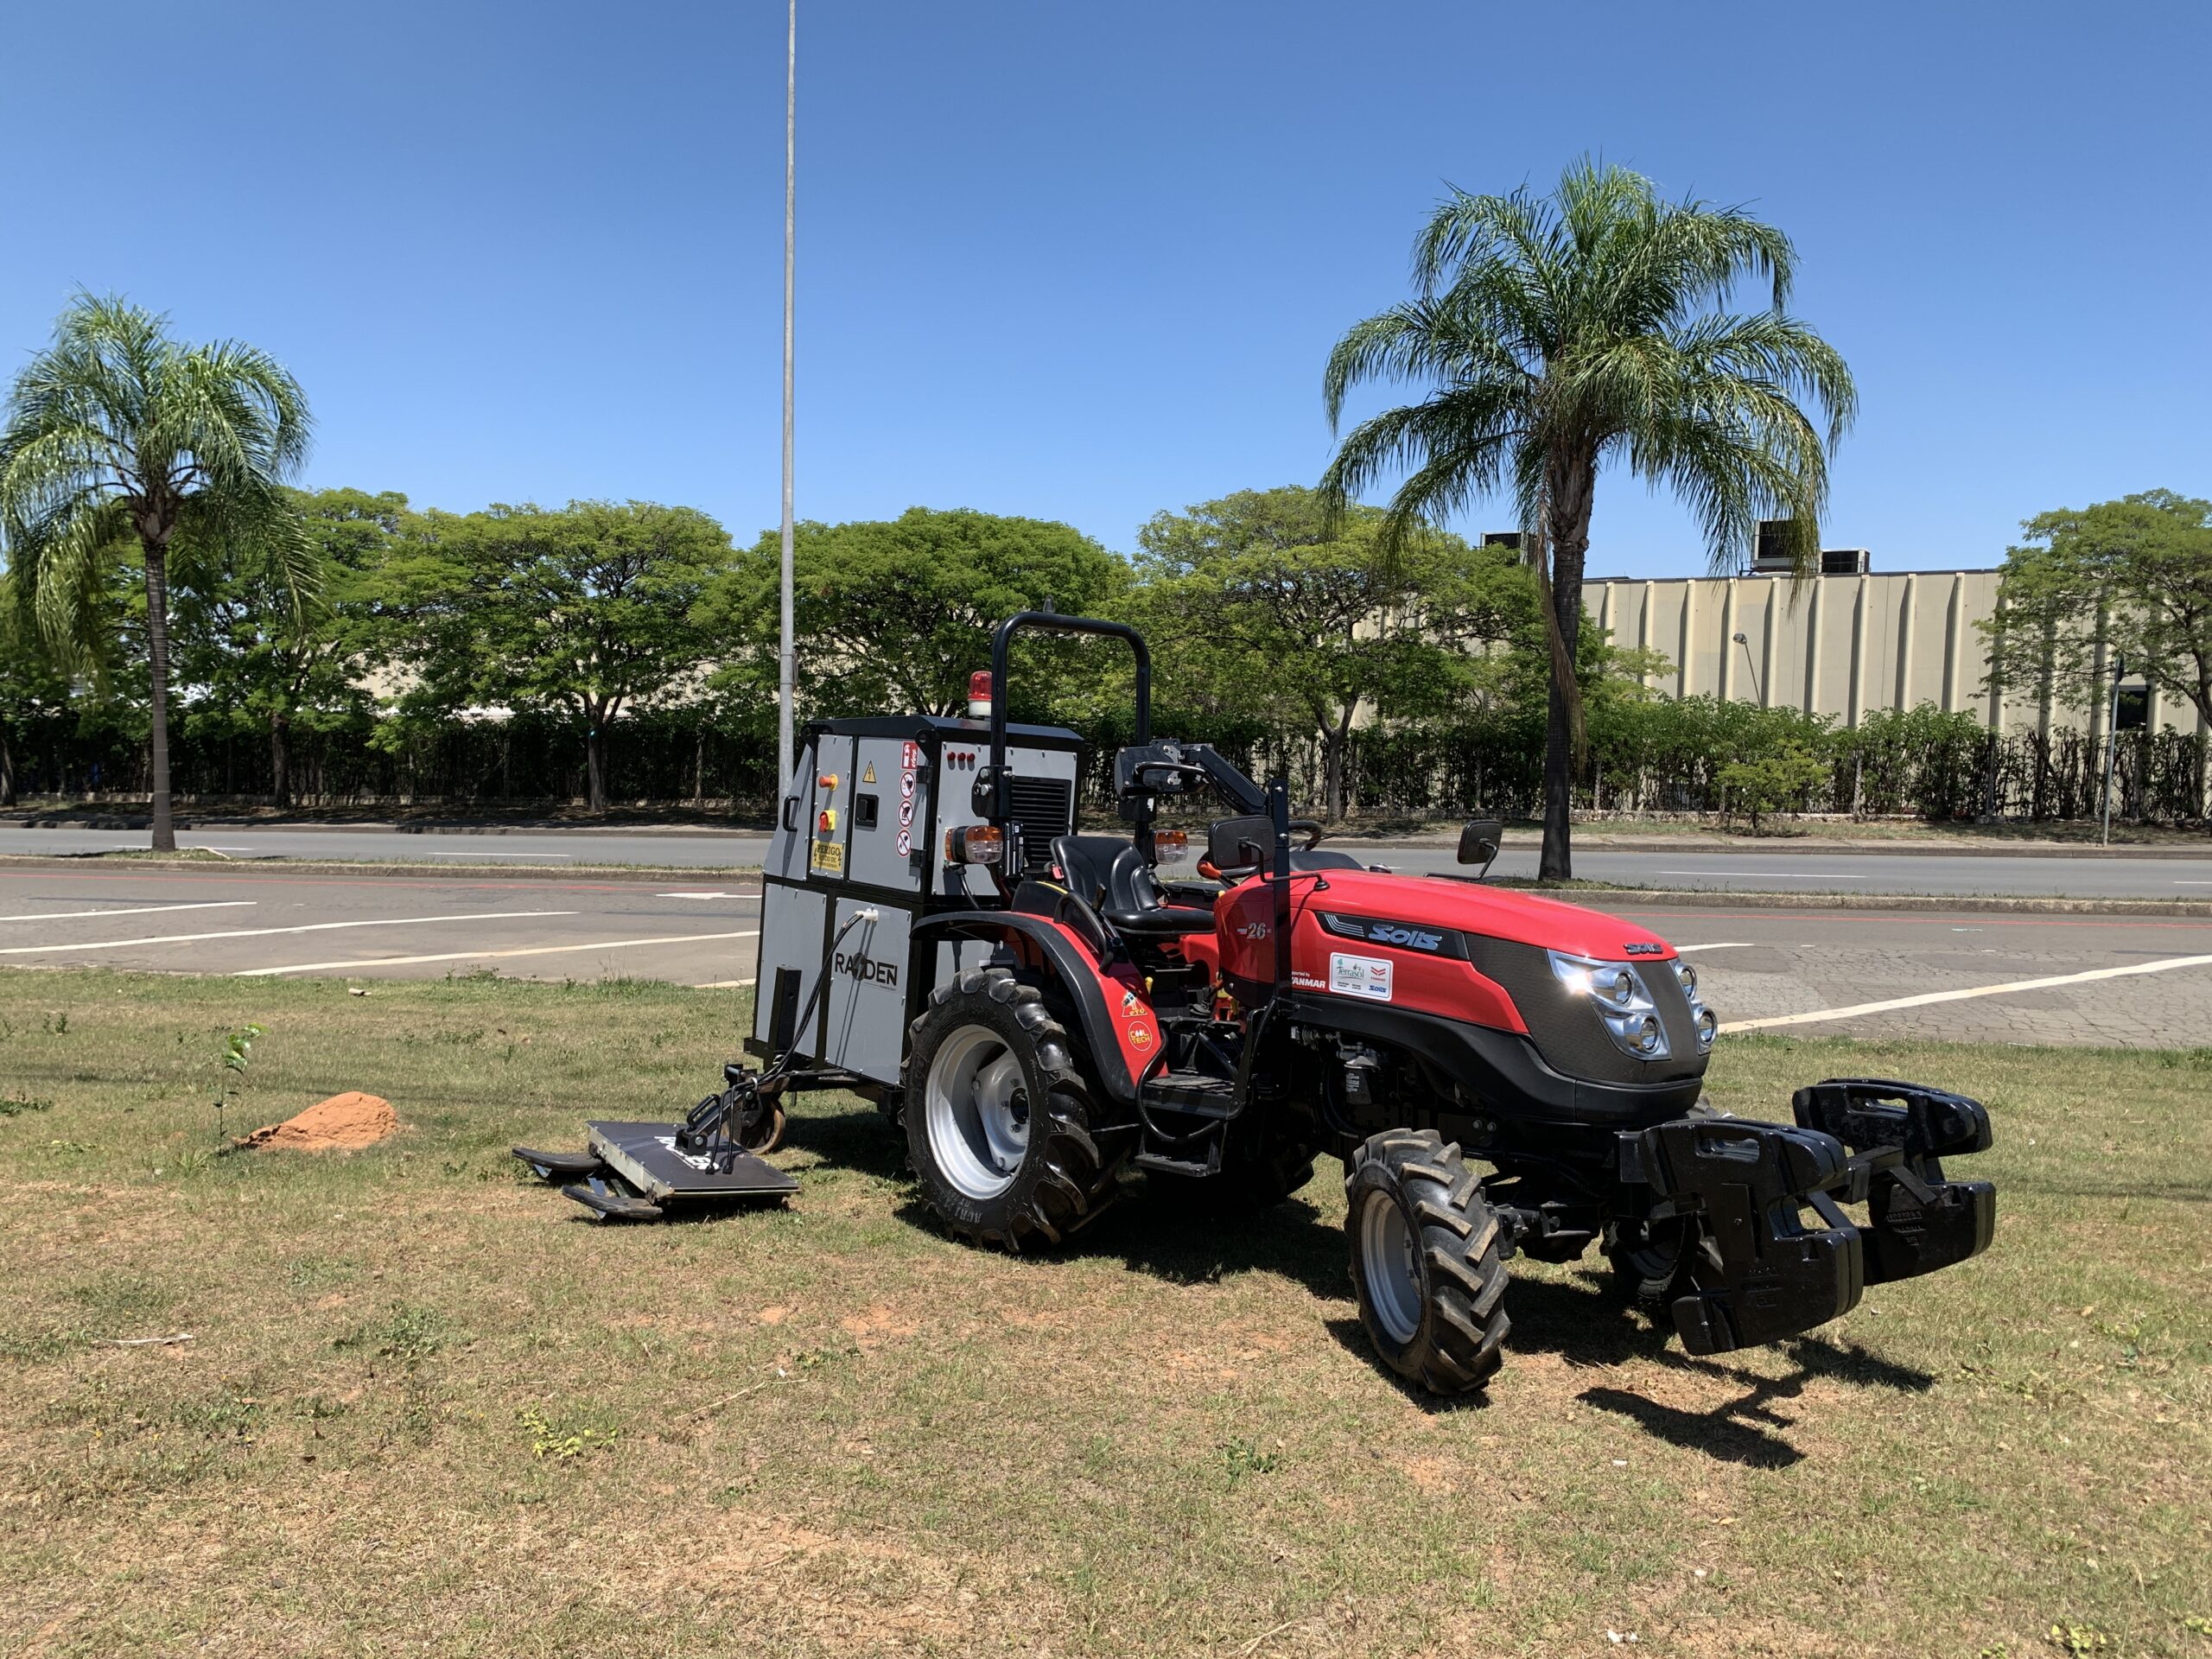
{"type": "Point", "coordinates": [1196, 1094]}
{"type": "Point", "coordinates": [1162, 1164]}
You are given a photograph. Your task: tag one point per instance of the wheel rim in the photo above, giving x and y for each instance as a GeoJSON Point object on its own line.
{"type": "Point", "coordinates": [976, 1112]}
{"type": "Point", "coordinates": [1387, 1263]}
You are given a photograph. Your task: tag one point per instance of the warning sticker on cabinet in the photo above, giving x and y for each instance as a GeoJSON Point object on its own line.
{"type": "Point", "coordinates": [1368, 976]}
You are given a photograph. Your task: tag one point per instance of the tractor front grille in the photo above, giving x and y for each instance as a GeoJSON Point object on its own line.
{"type": "Point", "coordinates": [1044, 808]}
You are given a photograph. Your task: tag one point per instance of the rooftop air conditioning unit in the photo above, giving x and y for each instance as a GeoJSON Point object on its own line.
{"type": "Point", "coordinates": [1845, 561]}
{"type": "Point", "coordinates": [1511, 540]}
{"type": "Point", "coordinates": [1771, 550]}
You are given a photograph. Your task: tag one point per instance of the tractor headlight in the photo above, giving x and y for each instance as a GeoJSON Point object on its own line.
{"type": "Point", "coordinates": [1622, 1001]}
{"type": "Point", "coordinates": [1707, 1021]}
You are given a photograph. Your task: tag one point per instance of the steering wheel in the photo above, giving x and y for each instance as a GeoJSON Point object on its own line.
{"type": "Point", "coordinates": [1314, 832]}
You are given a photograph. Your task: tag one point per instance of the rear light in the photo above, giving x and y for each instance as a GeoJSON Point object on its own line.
{"type": "Point", "coordinates": [1170, 846]}
{"type": "Point", "coordinates": [979, 695]}
{"type": "Point", "coordinates": [975, 843]}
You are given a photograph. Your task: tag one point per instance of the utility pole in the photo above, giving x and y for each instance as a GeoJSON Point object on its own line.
{"type": "Point", "coordinates": [2112, 740]}
{"type": "Point", "coordinates": [787, 656]}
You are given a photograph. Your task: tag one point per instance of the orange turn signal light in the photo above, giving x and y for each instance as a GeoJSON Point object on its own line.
{"type": "Point", "coordinates": [975, 843]}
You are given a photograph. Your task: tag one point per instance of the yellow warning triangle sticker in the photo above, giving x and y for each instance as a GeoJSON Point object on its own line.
{"type": "Point", "coordinates": [868, 777]}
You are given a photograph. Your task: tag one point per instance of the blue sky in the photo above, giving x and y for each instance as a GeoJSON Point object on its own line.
{"type": "Point", "coordinates": [1085, 262]}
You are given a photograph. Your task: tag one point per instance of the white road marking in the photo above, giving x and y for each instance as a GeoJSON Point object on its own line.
{"type": "Point", "coordinates": [721, 984]}
{"type": "Point", "coordinates": [717, 894]}
{"type": "Point", "coordinates": [1927, 997]}
{"type": "Point", "coordinates": [487, 956]}
{"type": "Point", "coordinates": [262, 932]}
{"type": "Point", "coordinates": [1724, 944]}
{"type": "Point", "coordinates": [428, 852]}
{"type": "Point", "coordinates": [134, 910]}
{"type": "Point", "coordinates": [2193, 884]}
{"type": "Point", "coordinates": [1769, 876]}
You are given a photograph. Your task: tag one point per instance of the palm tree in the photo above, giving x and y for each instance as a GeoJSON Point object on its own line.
{"type": "Point", "coordinates": [116, 432]}
{"type": "Point", "coordinates": [1557, 333]}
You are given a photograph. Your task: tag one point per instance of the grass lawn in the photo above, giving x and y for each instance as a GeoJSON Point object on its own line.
{"type": "Point", "coordinates": [430, 1407]}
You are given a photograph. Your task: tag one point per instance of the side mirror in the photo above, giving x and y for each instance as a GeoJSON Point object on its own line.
{"type": "Point", "coordinates": [1240, 846]}
{"type": "Point", "coordinates": [1480, 840]}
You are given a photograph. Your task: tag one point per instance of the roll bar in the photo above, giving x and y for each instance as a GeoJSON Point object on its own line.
{"type": "Point", "coordinates": [1052, 622]}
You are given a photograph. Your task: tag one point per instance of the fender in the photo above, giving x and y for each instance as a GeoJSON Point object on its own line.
{"type": "Point", "coordinates": [1109, 999]}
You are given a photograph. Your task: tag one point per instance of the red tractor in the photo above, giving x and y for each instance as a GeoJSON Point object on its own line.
{"type": "Point", "coordinates": [1042, 1010]}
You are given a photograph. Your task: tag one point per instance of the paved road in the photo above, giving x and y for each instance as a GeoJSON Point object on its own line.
{"type": "Point", "coordinates": [263, 921]}
{"type": "Point", "coordinates": [2141, 982]}
{"type": "Point", "coordinates": [1965, 976]}
{"type": "Point", "coordinates": [2089, 875]}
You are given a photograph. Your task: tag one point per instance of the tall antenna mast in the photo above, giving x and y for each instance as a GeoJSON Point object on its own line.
{"type": "Point", "coordinates": [786, 659]}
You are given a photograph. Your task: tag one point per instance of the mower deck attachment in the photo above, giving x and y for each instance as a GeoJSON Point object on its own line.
{"type": "Point", "coordinates": [634, 1171]}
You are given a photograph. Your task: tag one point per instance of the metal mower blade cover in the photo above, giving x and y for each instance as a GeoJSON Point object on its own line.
{"type": "Point", "coordinates": [645, 1155]}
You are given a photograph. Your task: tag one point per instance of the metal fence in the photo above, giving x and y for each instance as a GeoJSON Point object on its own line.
{"type": "Point", "coordinates": [1938, 770]}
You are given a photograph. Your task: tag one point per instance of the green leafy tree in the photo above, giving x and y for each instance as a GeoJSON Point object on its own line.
{"type": "Point", "coordinates": [2134, 574]}
{"type": "Point", "coordinates": [895, 615]}
{"type": "Point", "coordinates": [31, 689]}
{"type": "Point", "coordinates": [1557, 334]}
{"type": "Point", "coordinates": [117, 433]}
{"type": "Point", "coordinates": [1773, 782]}
{"type": "Point", "coordinates": [1317, 618]}
{"type": "Point", "coordinates": [263, 666]}
{"type": "Point", "coordinates": [587, 611]}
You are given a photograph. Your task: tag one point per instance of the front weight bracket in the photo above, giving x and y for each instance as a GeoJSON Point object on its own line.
{"type": "Point", "coordinates": [1918, 1221]}
{"type": "Point", "coordinates": [1760, 1272]}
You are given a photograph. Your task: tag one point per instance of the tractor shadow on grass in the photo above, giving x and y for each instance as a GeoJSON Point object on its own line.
{"type": "Point", "coordinates": [1588, 1326]}
{"type": "Point", "coordinates": [1180, 1238]}
{"type": "Point", "coordinates": [854, 1138]}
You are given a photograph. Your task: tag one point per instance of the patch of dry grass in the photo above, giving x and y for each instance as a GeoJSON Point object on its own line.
{"type": "Point", "coordinates": [428, 1407]}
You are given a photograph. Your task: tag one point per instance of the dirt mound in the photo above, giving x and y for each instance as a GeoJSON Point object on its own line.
{"type": "Point", "coordinates": [341, 1123]}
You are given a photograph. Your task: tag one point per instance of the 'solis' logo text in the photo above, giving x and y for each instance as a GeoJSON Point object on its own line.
{"type": "Point", "coordinates": [1412, 938]}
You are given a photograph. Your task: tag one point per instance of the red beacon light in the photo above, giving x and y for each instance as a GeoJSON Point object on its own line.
{"type": "Point", "coordinates": [979, 695]}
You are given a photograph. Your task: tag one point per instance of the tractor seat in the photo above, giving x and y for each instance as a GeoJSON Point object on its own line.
{"type": "Point", "coordinates": [1135, 906]}
{"type": "Point", "coordinates": [1111, 875]}
{"type": "Point", "coordinates": [1084, 863]}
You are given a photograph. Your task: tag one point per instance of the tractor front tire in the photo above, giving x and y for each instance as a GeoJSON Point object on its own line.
{"type": "Point", "coordinates": [1427, 1260]}
{"type": "Point", "coordinates": [1000, 1127]}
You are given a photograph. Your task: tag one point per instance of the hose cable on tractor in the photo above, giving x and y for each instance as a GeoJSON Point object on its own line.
{"type": "Point", "coordinates": [746, 1116]}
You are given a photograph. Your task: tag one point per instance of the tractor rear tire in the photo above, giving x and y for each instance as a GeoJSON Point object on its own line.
{"type": "Point", "coordinates": [1427, 1260]}
{"type": "Point", "coordinates": [1000, 1127]}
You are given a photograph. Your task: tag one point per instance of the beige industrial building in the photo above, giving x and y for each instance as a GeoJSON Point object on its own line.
{"type": "Point", "coordinates": [1846, 646]}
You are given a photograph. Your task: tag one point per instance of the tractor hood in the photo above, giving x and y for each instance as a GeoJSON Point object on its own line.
{"type": "Point", "coordinates": [1483, 910]}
